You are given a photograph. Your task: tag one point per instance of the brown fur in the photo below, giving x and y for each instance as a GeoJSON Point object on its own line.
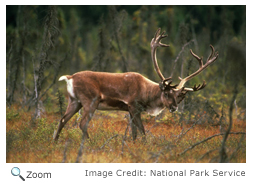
{"type": "Point", "coordinates": [130, 92]}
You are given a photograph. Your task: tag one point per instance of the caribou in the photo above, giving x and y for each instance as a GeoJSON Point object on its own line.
{"type": "Point", "coordinates": [128, 91]}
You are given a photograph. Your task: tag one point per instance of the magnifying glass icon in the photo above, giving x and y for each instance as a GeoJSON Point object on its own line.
{"type": "Point", "coordinates": [16, 172]}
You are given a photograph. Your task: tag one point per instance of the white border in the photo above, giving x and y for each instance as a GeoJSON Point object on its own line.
{"type": "Point", "coordinates": [69, 173]}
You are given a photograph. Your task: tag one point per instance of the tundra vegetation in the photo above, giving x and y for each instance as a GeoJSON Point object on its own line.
{"type": "Point", "coordinates": [46, 42]}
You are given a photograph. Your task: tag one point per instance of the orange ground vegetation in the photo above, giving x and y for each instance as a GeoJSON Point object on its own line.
{"type": "Point", "coordinates": [166, 138]}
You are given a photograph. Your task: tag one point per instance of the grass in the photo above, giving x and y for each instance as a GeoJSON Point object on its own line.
{"type": "Point", "coordinates": [167, 136]}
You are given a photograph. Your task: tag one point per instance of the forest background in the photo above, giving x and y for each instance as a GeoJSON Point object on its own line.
{"type": "Point", "coordinates": [46, 42]}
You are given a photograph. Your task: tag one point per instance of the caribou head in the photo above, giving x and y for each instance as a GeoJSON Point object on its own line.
{"type": "Point", "coordinates": [172, 95]}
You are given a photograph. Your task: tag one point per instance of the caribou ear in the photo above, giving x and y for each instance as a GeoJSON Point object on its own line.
{"type": "Point", "coordinates": [161, 85]}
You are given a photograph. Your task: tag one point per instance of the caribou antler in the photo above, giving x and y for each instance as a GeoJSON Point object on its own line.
{"type": "Point", "coordinates": [155, 43]}
{"type": "Point", "coordinates": [166, 82]}
{"type": "Point", "coordinates": [212, 57]}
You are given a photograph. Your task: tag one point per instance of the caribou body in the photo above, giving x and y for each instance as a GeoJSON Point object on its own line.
{"type": "Point", "coordinates": [130, 92]}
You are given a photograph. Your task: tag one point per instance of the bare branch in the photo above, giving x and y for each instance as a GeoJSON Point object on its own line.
{"type": "Point", "coordinates": [178, 56]}
{"type": "Point", "coordinates": [124, 138]}
{"type": "Point", "coordinates": [65, 151]}
{"type": "Point", "coordinates": [80, 152]}
{"type": "Point", "coordinates": [206, 139]}
{"type": "Point", "coordinates": [207, 153]}
{"type": "Point", "coordinates": [193, 125]}
{"type": "Point", "coordinates": [107, 141]}
{"type": "Point", "coordinates": [223, 155]}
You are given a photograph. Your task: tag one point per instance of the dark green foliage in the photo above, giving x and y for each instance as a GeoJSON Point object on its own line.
{"type": "Point", "coordinates": [45, 42]}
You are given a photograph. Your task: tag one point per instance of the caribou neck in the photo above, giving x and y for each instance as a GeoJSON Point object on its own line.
{"type": "Point", "coordinates": [154, 103]}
